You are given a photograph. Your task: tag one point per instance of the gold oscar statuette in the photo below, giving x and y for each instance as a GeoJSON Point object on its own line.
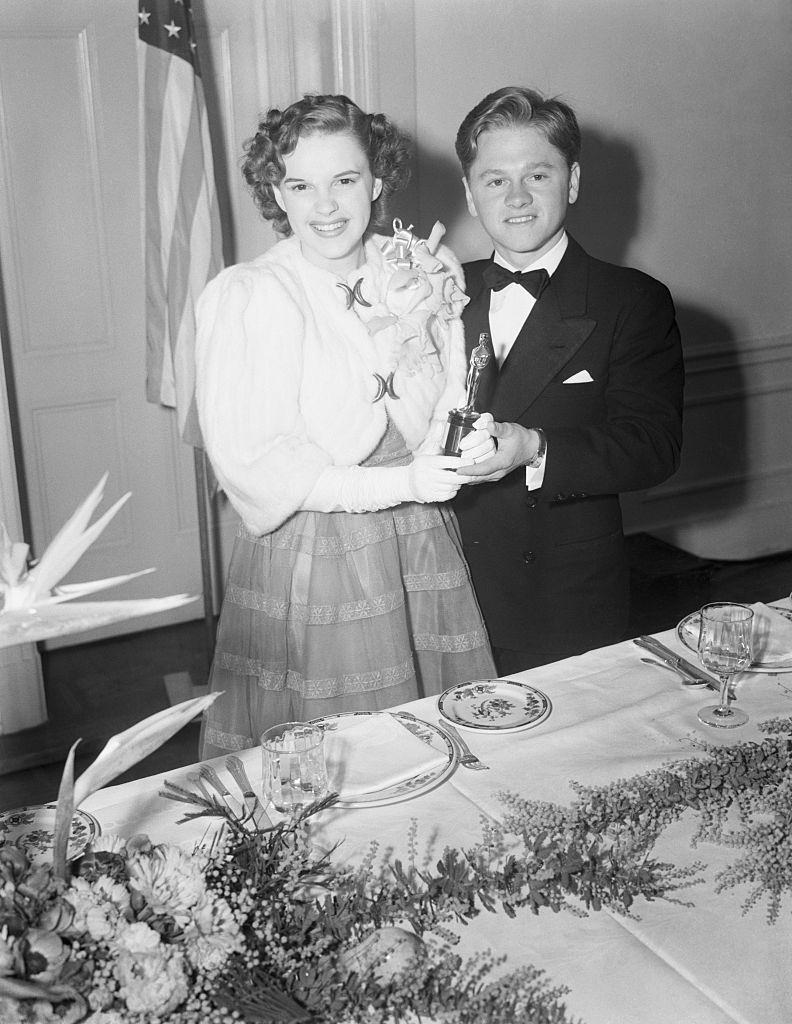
{"type": "Point", "coordinates": [461, 421]}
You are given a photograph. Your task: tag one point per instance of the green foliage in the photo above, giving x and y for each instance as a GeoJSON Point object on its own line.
{"type": "Point", "coordinates": [306, 914]}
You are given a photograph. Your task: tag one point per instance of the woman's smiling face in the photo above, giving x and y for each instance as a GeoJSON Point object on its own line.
{"type": "Point", "coordinates": [326, 193]}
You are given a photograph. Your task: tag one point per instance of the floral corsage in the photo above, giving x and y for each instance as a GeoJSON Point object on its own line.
{"type": "Point", "coordinates": [408, 299]}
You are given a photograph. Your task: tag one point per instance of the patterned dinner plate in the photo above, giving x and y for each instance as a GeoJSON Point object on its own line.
{"type": "Point", "coordinates": [688, 632]}
{"type": "Point", "coordinates": [494, 705]}
{"type": "Point", "coordinates": [415, 785]}
{"type": "Point", "coordinates": [32, 828]}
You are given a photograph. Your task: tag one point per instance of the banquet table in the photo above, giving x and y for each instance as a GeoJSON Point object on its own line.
{"type": "Point", "coordinates": [612, 717]}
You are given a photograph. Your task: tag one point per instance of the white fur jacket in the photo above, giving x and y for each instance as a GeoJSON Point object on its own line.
{"type": "Point", "coordinates": [290, 379]}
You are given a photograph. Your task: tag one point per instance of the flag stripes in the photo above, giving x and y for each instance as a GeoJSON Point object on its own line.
{"type": "Point", "coordinates": [183, 237]}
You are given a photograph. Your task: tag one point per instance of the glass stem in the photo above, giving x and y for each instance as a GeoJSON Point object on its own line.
{"type": "Point", "coordinates": [724, 695]}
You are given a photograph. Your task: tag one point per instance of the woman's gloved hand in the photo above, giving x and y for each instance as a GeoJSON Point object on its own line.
{"type": "Point", "coordinates": [432, 478]}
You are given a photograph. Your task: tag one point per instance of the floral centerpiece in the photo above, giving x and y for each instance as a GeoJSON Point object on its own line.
{"type": "Point", "coordinates": [264, 927]}
{"type": "Point", "coordinates": [260, 928]}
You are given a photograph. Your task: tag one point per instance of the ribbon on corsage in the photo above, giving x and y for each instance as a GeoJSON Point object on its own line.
{"type": "Point", "coordinates": [407, 302]}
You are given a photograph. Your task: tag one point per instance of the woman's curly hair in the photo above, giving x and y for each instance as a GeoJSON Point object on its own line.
{"type": "Point", "coordinates": [278, 133]}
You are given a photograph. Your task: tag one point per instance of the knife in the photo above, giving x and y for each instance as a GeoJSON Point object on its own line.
{"type": "Point", "coordinates": [681, 665]}
{"type": "Point", "coordinates": [255, 807]}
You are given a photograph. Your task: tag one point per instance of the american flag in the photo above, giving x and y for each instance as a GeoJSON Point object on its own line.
{"type": "Point", "coordinates": [183, 237]}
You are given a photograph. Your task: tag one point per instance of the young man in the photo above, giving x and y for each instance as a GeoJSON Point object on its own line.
{"type": "Point", "coordinates": [585, 388]}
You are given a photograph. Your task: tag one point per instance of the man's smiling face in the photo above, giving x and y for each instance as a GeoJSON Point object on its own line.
{"type": "Point", "coordinates": [520, 187]}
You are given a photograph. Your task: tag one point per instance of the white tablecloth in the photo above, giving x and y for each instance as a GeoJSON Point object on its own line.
{"type": "Point", "coordinates": [612, 717]}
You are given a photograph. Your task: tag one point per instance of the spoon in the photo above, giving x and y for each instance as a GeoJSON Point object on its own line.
{"type": "Point", "coordinates": [685, 680]}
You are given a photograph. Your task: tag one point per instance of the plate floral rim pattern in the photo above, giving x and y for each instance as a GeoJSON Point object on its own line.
{"type": "Point", "coordinates": [494, 705]}
{"type": "Point", "coordinates": [416, 785]}
{"type": "Point", "coordinates": [686, 630]}
{"type": "Point", "coordinates": [31, 828]}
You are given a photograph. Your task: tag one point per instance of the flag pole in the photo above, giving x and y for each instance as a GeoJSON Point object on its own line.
{"type": "Point", "coordinates": [202, 494]}
{"type": "Point", "coordinates": [182, 220]}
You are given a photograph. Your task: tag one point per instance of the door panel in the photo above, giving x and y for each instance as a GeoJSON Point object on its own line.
{"type": "Point", "coordinates": [72, 274]}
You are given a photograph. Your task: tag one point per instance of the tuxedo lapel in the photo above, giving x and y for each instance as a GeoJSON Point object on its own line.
{"type": "Point", "coordinates": [555, 329]}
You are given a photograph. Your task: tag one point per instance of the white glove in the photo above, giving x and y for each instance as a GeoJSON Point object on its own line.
{"type": "Point", "coordinates": [479, 444]}
{"type": "Point", "coordinates": [370, 488]}
{"type": "Point", "coordinates": [430, 478]}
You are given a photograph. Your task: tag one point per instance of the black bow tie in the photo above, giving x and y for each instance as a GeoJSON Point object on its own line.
{"type": "Point", "coordinates": [534, 281]}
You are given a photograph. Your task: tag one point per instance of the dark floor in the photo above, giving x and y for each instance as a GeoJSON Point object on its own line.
{"type": "Point", "coordinates": [96, 690]}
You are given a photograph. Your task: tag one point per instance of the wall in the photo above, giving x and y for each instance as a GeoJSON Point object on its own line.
{"type": "Point", "coordinates": [685, 109]}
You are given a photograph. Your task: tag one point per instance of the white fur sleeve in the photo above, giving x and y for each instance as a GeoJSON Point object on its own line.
{"type": "Point", "coordinates": [248, 376]}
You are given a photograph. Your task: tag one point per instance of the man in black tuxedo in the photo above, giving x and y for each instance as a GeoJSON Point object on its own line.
{"type": "Point", "coordinates": [585, 391]}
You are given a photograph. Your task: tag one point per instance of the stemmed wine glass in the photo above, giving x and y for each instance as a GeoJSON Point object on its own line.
{"type": "Point", "coordinates": [724, 647]}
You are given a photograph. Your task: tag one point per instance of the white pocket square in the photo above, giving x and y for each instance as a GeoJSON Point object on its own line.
{"type": "Point", "coordinates": [582, 377]}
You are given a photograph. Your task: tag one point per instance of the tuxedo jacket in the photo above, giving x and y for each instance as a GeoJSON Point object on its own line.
{"type": "Point", "coordinates": [549, 565]}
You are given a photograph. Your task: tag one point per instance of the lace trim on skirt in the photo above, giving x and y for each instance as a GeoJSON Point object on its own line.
{"type": "Point", "coordinates": [226, 740]}
{"type": "Point", "coordinates": [444, 644]}
{"type": "Point", "coordinates": [417, 581]}
{"type": "Point", "coordinates": [350, 682]}
{"type": "Point", "coordinates": [315, 614]}
{"type": "Point", "coordinates": [370, 531]}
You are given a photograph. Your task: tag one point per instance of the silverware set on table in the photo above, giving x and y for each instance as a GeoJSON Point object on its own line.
{"type": "Point", "coordinates": [690, 674]}
{"type": "Point", "coordinates": [466, 756]}
{"type": "Point", "coordinates": [250, 809]}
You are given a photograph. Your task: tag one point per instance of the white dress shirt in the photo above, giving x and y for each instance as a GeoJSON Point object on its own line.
{"type": "Point", "coordinates": [508, 311]}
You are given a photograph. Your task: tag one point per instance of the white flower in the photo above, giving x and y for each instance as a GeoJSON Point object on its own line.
{"type": "Point", "coordinates": [99, 906]}
{"type": "Point", "coordinates": [153, 983]}
{"type": "Point", "coordinates": [109, 844]}
{"type": "Point", "coordinates": [213, 935]}
{"type": "Point", "coordinates": [170, 881]}
{"type": "Point", "coordinates": [138, 938]}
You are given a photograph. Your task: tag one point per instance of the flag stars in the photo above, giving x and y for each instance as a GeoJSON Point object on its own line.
{"type": "Point", "coordinates": [173, 29]}
{"type": "Point", "coordinates": [144, 16]}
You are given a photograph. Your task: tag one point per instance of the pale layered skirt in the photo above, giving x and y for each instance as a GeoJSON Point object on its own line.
{"type": "Point", "coordinates": [343, 612]}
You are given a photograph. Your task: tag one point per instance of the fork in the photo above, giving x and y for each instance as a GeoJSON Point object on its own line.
{"type": "Point", "coordinates": [252, 802]}
{"type": "Point", "coordinates": [208, 774]}
{"type": "Point", "coordinates": [467, 759]}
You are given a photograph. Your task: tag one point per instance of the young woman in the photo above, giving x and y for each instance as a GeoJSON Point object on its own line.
{"type": "Point", "coordinates": [325, 371]}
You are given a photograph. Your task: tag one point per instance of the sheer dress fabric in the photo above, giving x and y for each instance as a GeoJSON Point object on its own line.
{"type": "Point", "coordinates": [339, 611]}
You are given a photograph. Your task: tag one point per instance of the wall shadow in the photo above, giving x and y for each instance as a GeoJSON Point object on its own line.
{"type": "Point", "coordinates": [607, 213]}
{"type": "Point", "coordinates": [717, 444]}
{"type": "Point", "coordinates": [436, 191]}
{"type": "Point", "coordinates": [712, 482]}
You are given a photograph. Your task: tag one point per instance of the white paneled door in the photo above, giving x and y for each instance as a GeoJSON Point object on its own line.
{"type": "Point", "coordinates": [72, 283]}
{"type": "Point", "coordinates": [71, 267]}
